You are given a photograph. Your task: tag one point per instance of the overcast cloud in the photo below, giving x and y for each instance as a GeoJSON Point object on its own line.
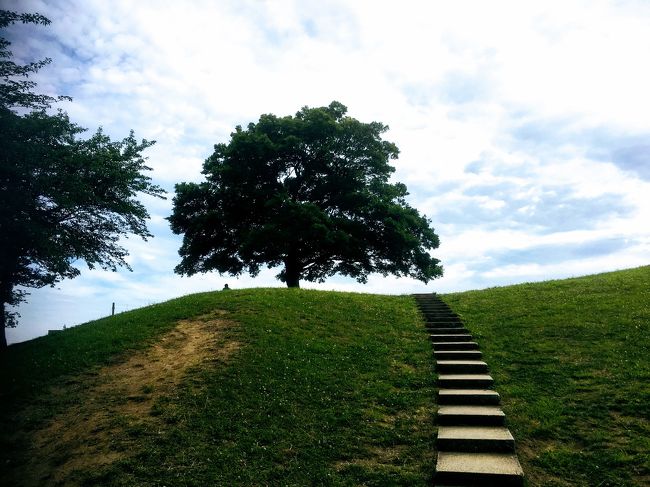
{"type": "Point", "coordinates": [523, 126]}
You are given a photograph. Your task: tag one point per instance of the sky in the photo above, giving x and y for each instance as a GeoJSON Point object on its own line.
{"type": "Point", "coordinates": [523, 127]}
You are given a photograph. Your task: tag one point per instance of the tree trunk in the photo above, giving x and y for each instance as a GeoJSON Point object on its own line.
{"type": "Point", "coordinates": [3, 336]}
{"type": "Point", "coordinates": [292, 270]}
{"type": "Point", "coordinates": [293, 281]}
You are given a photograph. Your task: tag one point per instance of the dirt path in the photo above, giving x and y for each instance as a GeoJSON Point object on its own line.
{"type": "Point", "coordinates": [122, 396]}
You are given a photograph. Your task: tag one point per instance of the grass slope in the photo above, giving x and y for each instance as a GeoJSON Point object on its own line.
{"type": "Point", "coordinates": [571, 360]}
{"type": "Point", "coordinates": [337, 389]}
{"type": "Point", "coordinates": [325, 388]}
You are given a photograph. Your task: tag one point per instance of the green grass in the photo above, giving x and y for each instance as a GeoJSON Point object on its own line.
{"type": "Point", "coordinates": [571, 360]}
{"type": "Point", "coordinates": [338, 389]}
{"type": "Point", "coordinates": [327, 389]}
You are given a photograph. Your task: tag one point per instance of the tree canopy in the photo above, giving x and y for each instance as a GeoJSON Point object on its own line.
{"type": "Point", "coordinates": [310, 193]}
{"type": "Point", "coordinates": [64, 199]}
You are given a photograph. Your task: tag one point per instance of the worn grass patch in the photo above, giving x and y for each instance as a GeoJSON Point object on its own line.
{"type": "Point", "coordinates": [89, 434]}
{"type": "Point", "coordinates": [570, 359]}
{"type": "Point", "coordinates": [290, 387]}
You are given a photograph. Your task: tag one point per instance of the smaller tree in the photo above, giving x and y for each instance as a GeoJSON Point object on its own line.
{"type": "Point", "coordinates": [310, 193]}
{"type": "Point", "coordinates": [63, 199]}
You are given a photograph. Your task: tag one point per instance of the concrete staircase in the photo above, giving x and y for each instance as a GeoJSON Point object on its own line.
{"type": "Point", "coordinates": [474, 445]}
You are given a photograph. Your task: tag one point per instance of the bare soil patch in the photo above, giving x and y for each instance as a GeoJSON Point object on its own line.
{"type": "Point", "coordinates": [121, 396]}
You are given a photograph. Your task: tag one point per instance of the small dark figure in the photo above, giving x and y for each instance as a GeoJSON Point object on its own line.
{"type": "Point", "coordinates": [225, 287]}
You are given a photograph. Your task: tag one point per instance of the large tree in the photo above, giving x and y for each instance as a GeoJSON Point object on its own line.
{"type": "Point", "coordinates": [63, 199]}
{"type": "Point", "coordinates": [310, 193]}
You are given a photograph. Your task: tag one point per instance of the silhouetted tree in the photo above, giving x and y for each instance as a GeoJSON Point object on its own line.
{"type": "Point", "coordinates": [62, 199]}
{"type": "Point", "coordinates": [310, 193]}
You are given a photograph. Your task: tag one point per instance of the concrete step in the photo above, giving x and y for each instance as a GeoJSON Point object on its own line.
{"type": "Point", "coordinates": [442, 317]}
{"type": "Point", "coordinates": [458, 355]}
{"type": "Point", "coordinates": [465, 381]}
{"type": "Point", "coordinates": [468, 396]}
{"type": "Point", "coordinates": [475, 439]}
{"type": "Point", "coordinates": [456, 337]}
{"type": "Point", "coordinates": [461, 367]}
{"type": "Point", "coordinates": [449, 330]}
{"type": "Point", "coordinates": [455, 346]}
{"type": "Point", "coordinates": [435, 320]}
{"type": "Point", "coordinates": [459, 415]}
{"type": "Point", "coordinates": [443, 324]}
{"type": "Point", "coordinates": [478, 469]}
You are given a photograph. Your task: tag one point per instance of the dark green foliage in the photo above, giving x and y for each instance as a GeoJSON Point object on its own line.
{"type": "Point", "coordinates": [309, 192]}
{"type": "Point", "coordinates": [63, 199]}
{"type": "Point", "coordinates": [570, 359]}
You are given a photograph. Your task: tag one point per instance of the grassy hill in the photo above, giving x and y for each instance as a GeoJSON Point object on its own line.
{"type": "Point", "coordinates": [298, 387]}
{"type": "Point", "coordinates": [274, 386]}
{"type": "Point", "coordinates": [571, 360]}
